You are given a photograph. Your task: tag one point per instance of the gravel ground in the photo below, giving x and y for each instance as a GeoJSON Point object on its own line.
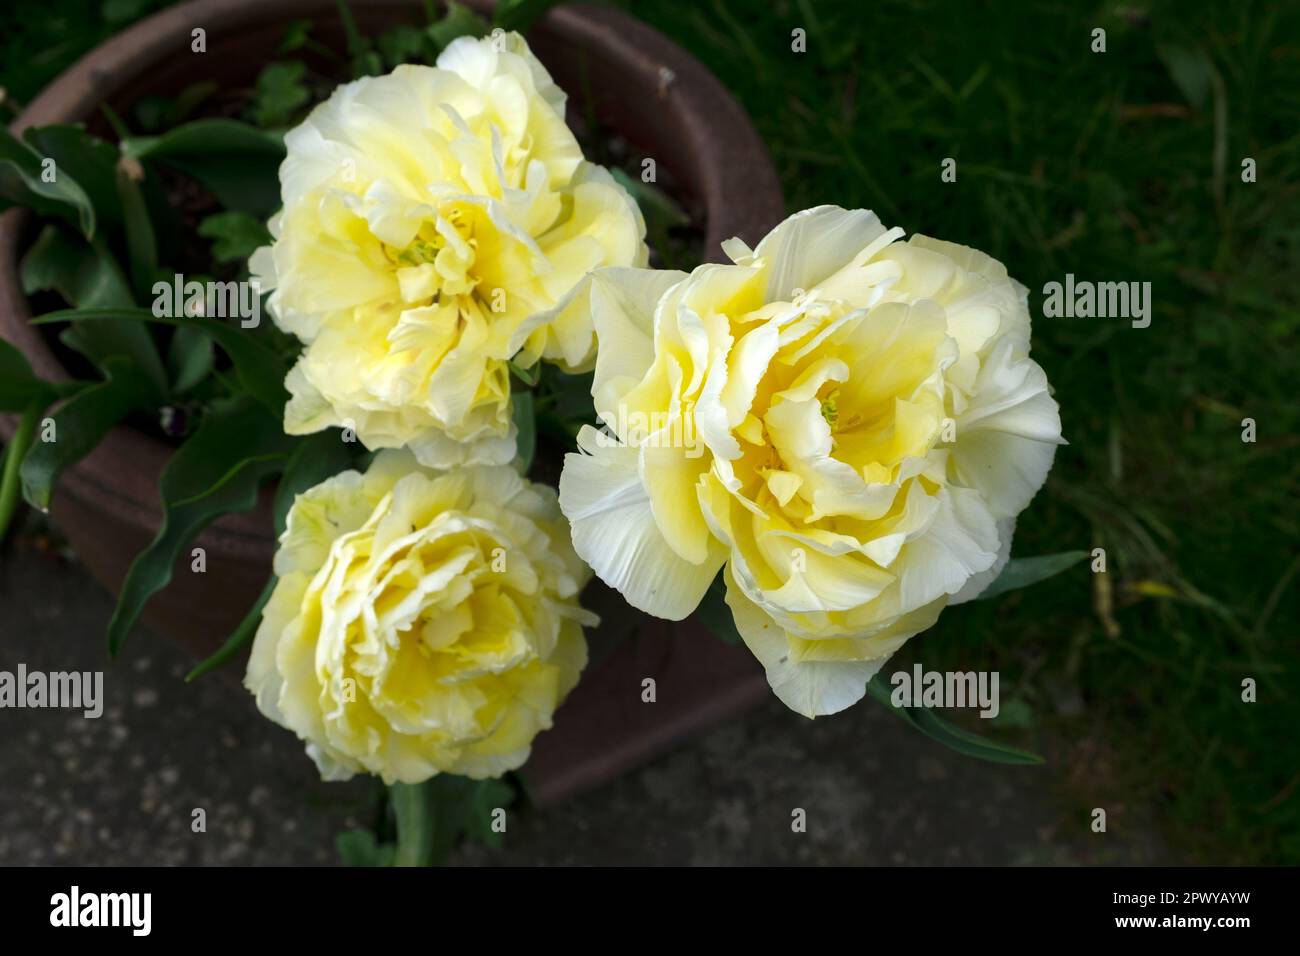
{"type": "Point", "coordinates": [123, 789]}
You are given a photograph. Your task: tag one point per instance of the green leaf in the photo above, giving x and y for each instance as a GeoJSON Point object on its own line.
{"type": "Point", "coordinates": [296, 36]}
{"type": "Point", "coordinates": [280, 93]}
{"type": "Point", "coordinates": [88, 277]}
{"type": "Point", "coordinates": [19, 391]}
{"type": "Point", "coordinates": [485, 797]}
{"type": "Point", "coordinates": [951, 736]}
{"type": "Point", "coordinates": [528, 376]}
{"type": "Point", "coordinates": [519, 14]}
{"type": "Point", "coordinates": [153, 114]}
{"type": "Point", "coordinates": [401, 44]}
{"type": "Point", "coordinates": [26, 179]}
{"type": "Point", "coordinates": [121, 12]}
{"type": "Point", "coordinates": [458, 21]}
{"type": "Point", "coordinates": [189, 358]}
{"type": "Point", "coordinates": [141, 244]}
{"type": "Point", "coordinates": [526, 423]}
{"type": "Point", "coordinates": [570, 395]}
{"type": "Point", "coordinates": [84, 275]}
{"type": "Point", "coordinates": [313, 459]}
{"type": "Point", "coordinates": [1015, 713]}
{"type": "Point", "coordinates": [356, 42]}
{"type": "Point", "coordinates": [413, 807]}
{"type": "Point", "coordinates": [241, 635]}
{"type": "Point", "coordinates": [368, 63]}
{"type": "Point", "coordinates": [13, 458]}
{"type": "Point", "coordinates": [238, 162]}
{"type": "Point", "coordinates": [658, 207]}
{"type": "Point", "coordinates": [89, 160]}
{"type": "Point", "coordinates": [260, 370]}
{"type": "Point", "coordinates": [1022, 572]}
{"type": "Point", "coordinates": [360, 848]}
{"type": "Point", "coordinates": [80, 424]}
{"type": "Point", "coordinates": [216, 472]}
{"type": "Point", "coordinates": [13, 364]}
{"type": "Point", "coordinates": [235, 235]}
{"type": "Point", "coordinates": [433, 815]}
{"type": "Point", "coordinates": [192, 97]}
{"type": "Point", "coordinates": [20, 387]}
{"type": "Point", "coordinates": [1191, 70]}
{"type": "Point", "coordinates": [464, 807]}
{"type": "Point", "coordinates": [714, 613]}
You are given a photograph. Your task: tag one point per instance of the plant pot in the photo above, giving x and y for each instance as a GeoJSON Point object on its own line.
{"type": "Point", "coordinates": [659, 98]}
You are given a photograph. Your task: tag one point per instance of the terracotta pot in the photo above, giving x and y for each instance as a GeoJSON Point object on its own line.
{"type": "Point", "coordinates": [659, 98]}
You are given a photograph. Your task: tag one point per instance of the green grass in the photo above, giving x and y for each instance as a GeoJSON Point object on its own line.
{"type": "Point", "coordinates": [1122, 166]}
{"type": "Point", "coordinates": [1116, 167]}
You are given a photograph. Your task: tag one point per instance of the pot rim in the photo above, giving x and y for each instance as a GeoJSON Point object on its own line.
{"type": "Point", "coordinates": [732, 175]}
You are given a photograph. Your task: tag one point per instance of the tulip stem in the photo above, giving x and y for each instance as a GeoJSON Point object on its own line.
{"type": "Point", "coordinates": [414, 810]}
{"type": "Point", "coordinates": [13, 460]}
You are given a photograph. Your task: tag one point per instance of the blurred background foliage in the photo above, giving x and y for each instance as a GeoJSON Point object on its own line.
{"type": "Point", "coordinates": [1115, 166]}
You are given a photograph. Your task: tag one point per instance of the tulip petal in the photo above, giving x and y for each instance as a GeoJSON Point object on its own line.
{"type": "Point", "coordinates": [614, 531]}
{"type": "Point", "coordinates": [813, 245]}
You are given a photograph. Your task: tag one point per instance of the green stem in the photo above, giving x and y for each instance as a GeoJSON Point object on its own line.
{"type": "Point", "coordinates": [14, 453]}
{"type": "Point", "coordinates": [356, 44]}
{"type": "Point", "coordinates": [414, 811]}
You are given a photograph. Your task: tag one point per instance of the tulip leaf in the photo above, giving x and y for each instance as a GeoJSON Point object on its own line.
{"type": "Point", "coordinates": [80, 424]}
{"type": "Point", "coordinates": [89, 160]}
{"type": "Point", "coordinates": [13, 363]}
{"type": "Point", "coordinates": [657, 206]}
{"type": "Point", "coordinates": [297, 35]}
{"type": "Point", "coordinates": [485, 797]}
{"type": "Point", "coordinates": [216, 472]}
{"type": "Point", "coordinates": [30, 179]}
{"type": "Point", "coordinates": [402, 44]}
{"type": "Point", "coordinates": [458, 21]}
{"type": "Point", "coordinates": [526, 423]}
{"type": "Point", "coordinates": [20, 387]}
{"type": "Point", "coordinates": [260, 370]}
{"type": "Point", "coordinates": [87, 276]}
{"type": "Point", "coordinates": [17, 392]}
{"type": "Point", "coordinates": [360, 848]}
{"type": "Point", "coordinates": [155, 113]}
{"type": "Point", "coordinates": [519, 14]}
{"type": "Point", "coordinates": [1022, 572]}
{"type": "Point", "coordinates": [312, 460]}
{"type": "Point", "coordinates": [235, 235]}
{"type": "Point", "coordinates": [950, 735]}
{"type": "Point", "coordinates": [141, 243]}
{"type": "Point", "coordinates": [189, 358]}
{"type": "Point", "coordinates": [237, 162]}
{"type": "Point", "coordinates": [12, 461]}
{"type": "Point", "coordinates": [281, 92]}
{"type": "Point", "coordinates": [243, 633]}
{"type": "Point", "coordinates": [714, 613]}
{"type": "Point", "coordinates": [529, 376]}
{"type": "Point", "coordinates": [433, 815]}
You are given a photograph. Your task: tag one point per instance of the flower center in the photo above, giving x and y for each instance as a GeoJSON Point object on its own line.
{"type": "Point", "coordinates": [830, 408]}
{"type": "Point", "coordinates": [438, 261]}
